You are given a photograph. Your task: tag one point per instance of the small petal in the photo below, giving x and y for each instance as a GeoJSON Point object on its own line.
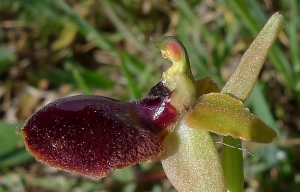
{"type": "Point", "coordinates": [206, 85]}
{"type": "Point", "coordinates": [224, 115]}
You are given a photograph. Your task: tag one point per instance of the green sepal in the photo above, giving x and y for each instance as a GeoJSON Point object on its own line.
{"type": "Point", "coordinates": [225, 115]}
{"type": "Point", "coordinates": [242, 81]}
{"type": "Point", "coordinates": [191, 161]}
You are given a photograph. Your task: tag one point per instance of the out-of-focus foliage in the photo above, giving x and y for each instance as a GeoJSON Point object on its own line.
{"type": "Point", "coordinates": [50, 49]}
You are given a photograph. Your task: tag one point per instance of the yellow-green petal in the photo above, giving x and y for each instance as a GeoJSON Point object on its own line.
{"type": "Point", "coordinates": [224, 115]}
{"type": "Point", "coordinates": [206, 85]}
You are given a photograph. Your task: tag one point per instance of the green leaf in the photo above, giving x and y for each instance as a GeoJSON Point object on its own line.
{"type": "Point", "coordinates": [97, 79]}
{"type": "Point", "coordinates": [77, 75]}
{"type": "Point", "coordinates": [66, 37]}
{"type": "Point", "coordinates": [7, 58]}
{"type": "Point", "coordinates": [224, 115]}
{"type": "Point", "coordinates": [12, 146]}
{"type": "Point", "coordinates": [131, 84]}
{"type": "Point", "coordinates": [94, 79]}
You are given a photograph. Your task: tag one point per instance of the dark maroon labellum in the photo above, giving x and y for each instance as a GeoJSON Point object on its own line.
{"type": "Point", "coordinates": [94, 135]}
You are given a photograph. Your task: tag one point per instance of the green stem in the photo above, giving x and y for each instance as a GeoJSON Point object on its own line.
{"type": "Point", "coordinates": [232, 162]}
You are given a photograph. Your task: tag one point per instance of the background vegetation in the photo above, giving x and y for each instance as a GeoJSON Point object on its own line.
{"type": "Point", "coordinates": [53, 48]}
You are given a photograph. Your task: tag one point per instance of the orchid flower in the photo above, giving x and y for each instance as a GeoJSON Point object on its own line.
{"type": "Point", "coordinates": [94, 135]}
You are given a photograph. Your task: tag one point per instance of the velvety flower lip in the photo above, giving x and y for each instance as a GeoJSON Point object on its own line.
{"type": "Point", "coordinates": [93, 140]}
{"type": "Point", "coordinates": [95, 135]}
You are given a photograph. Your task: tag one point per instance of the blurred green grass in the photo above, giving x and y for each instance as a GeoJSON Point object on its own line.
{"type": "Point", "coordinates": [50, 49]}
